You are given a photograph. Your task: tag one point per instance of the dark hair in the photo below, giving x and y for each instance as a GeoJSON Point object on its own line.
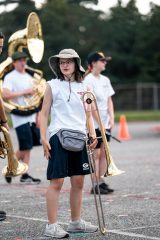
{"type": "Point", "coordinates": [87, 72]}
{"type": "Point", "coordinates": [2, 35]}
{"type": "Point", "coordinates": [78, 73]}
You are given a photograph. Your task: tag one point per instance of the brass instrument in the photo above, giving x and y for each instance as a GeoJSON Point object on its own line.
{"type": "Point", "coordinates": [31, 39]}
{"type": "Point", "coordinates": [112, 170]}
{"type": "Point", "coordinates": [89, 98]}
{"type": "Point", "coordinates": [14, 167]}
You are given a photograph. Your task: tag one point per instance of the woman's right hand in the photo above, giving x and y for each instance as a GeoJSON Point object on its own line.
{"type": "Point", "coordinates": [93, 142]}
{"type": "Point", "coordinates": [46, 148]}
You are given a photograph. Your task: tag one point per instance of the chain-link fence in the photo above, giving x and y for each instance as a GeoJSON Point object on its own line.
{"type": "Point", "coordinates": [140, 96]}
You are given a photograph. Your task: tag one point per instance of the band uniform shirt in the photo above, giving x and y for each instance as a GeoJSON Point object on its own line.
{"type": "Point", "coordinates": [16, 81]}
{"type": "Point", "coordinates": [102, 89]}
{"type": "Point", "coordinates": [65, 112]}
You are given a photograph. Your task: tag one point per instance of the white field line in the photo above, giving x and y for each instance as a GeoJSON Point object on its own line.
{"type": "Point", "coordinates": [118, 232]}
{"type": "Point", "coordinates": [133, 235]}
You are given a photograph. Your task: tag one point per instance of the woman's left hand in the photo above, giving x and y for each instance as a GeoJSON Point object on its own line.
{"type": "Point", "coordinates": [46, 148]}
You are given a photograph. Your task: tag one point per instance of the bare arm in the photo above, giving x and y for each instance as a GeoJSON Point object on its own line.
{"type": "Point", "coordinates": [44, 114]}
{"type": "Point", "coordinates": [38, 120]}
{"type": "Point", "coordinates": [91, 130]}
{"type": "Point", "coordinates": [8, 95]}
{"type": "Point", "coordinates": [90, 124]}
{"type": "Point", "coordinates": [111, 111]}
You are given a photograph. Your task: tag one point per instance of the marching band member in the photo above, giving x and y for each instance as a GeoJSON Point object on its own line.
{"type": "Point", "coordinates": [17, 85]}
{"type": "Point", "coordinates": [62, 100]}
{"type": "Point", "coordinates": [3, 118]}
{"type": "Point", "coordinates": [101, 87]}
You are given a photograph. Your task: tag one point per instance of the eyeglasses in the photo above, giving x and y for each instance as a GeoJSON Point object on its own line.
{"type": "Point", "coordinates": [68, 62]}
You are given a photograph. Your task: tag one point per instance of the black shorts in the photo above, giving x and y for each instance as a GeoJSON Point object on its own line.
{"type": "Point", "coordinates": [98, 134]}
{"type": "Point", "coordinates": [28, 136]}
{"type": "Point", "coordinates": [64, 163]}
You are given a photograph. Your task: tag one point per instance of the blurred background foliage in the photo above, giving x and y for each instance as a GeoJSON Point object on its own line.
{"type": "Point", "coordinates": [132, 39]}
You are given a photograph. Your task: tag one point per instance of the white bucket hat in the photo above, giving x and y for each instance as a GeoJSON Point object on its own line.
{"type": "Point", "coordinates": [65, 53]}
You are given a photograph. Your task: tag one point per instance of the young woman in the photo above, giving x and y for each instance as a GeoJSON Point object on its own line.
{"type": "Point", "coordinates": [62, 100]}
{"type": "Point", "coordinates": [101, 87]}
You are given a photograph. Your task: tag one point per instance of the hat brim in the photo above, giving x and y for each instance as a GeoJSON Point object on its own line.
{"type": "Point", "coordinates": [53, 62]}
{"type": "Point", "coordinates": [108, 58]}
{"type": "Point", "coordinates": [19, 55]}
{"type": "Point", "coordinates": [15, 59]}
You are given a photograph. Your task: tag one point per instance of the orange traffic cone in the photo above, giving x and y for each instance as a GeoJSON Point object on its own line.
{"type": "Point", "coordinates": [123, 129]}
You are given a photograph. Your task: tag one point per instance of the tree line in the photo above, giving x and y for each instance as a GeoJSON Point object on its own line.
{"type": "Point", "coordinates": [130, 38]}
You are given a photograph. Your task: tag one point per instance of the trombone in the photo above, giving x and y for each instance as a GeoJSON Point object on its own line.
{"type": "Point", "coordinates": [88, 98]}
{"type": "Point", "coordinates": [99, 207]}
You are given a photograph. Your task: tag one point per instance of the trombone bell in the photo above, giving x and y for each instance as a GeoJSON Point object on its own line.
{"type": "Point", "coordinates": [112, 169]}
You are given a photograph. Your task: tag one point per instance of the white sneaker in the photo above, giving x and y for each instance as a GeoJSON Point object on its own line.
{"type": "Point", "coordinates": [81, 226]}
{"type": "Point", "coordinates": [55, 230]}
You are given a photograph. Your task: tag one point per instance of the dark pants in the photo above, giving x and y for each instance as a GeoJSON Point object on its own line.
{"type": "Point", "coordinates": [28, 136]}
{"type": "Point", "coordinates": [98, 134]}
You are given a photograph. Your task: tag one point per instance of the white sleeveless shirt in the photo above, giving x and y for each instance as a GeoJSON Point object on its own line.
{"type": "Point", "coordinates": [67, 114]}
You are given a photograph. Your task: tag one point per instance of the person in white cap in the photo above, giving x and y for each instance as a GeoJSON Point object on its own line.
{"type": "Point", "coordinates": [62, 100]}
{"type": "Point", "coordinates": [102, 88]}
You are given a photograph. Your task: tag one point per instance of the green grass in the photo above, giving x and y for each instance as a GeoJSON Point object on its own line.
{"type": "Point", "coordinates": [138, 115]}
{"type": "Point", "coordinates": [130, 116]}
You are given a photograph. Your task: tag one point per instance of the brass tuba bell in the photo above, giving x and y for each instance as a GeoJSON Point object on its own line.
{"type": "Point", "coordinates": [14, 167]}
{"type": "Point", "coordinates": [30, 38]}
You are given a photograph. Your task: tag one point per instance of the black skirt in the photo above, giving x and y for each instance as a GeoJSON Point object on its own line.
{"type": "Point", "coordinates": [64, 163]}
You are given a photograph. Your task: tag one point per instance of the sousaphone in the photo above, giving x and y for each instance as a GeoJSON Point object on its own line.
{"type": "Point", "coordinates": [14, 167]}
{"type": "Point", "coordinates": [31, 39]}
